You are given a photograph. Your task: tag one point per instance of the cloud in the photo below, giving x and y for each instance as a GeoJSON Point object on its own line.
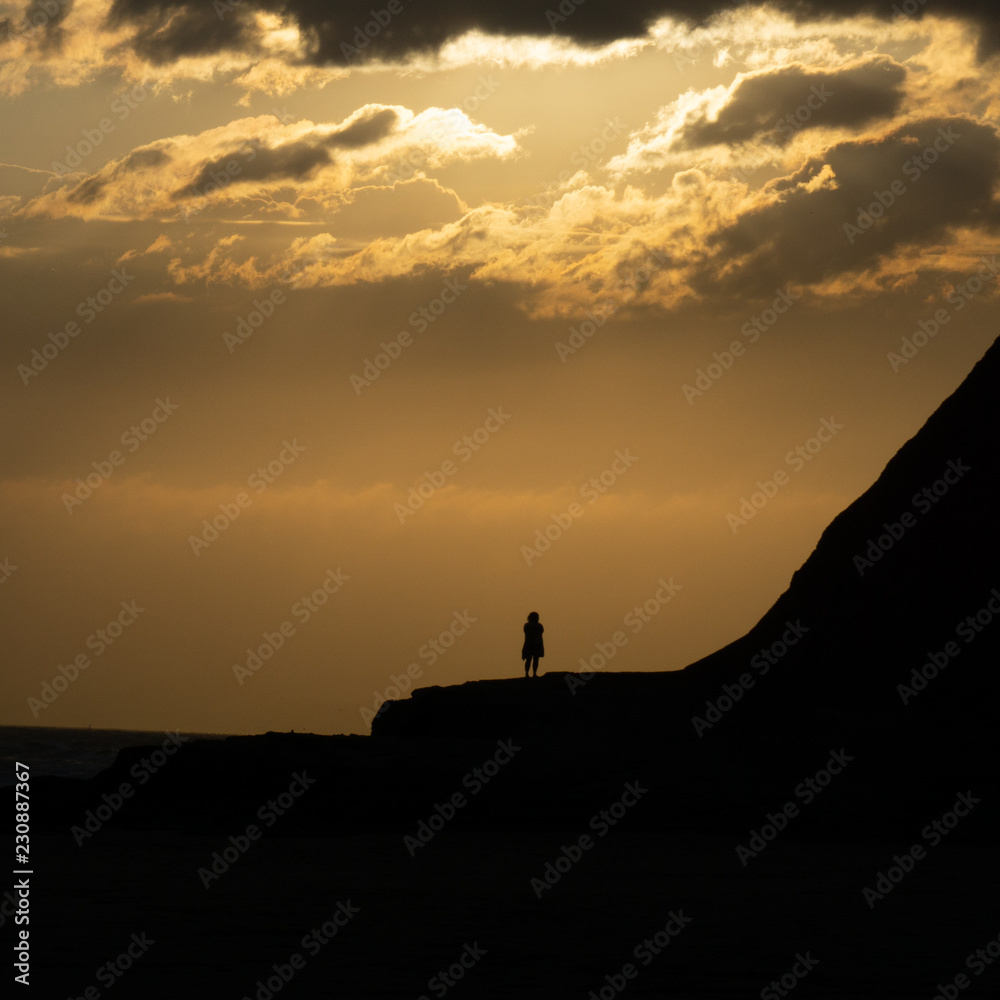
{"type": "Point", "coordinates": [88, 191]}
{"type": "Point", "coordinates": [274, 169]}
{"type": "Point", "coordinates": [355, 31]}
{"type": "Point", "coordinates": [291, 161]}
{"type": "Point", "coordinates": [156, 298]}
{"type": "Point", "coordinates": [362, 129]}
{"type": "Point", "coordinates": [49, 16]}
{"type": "Point", "coordinates": [168, 32]}
{"type": "Point", "coordinates": [279, 46]}
{"type": "Point", "coordinates": [671, 219]}
{"type": "Point", "coordinates": [161, 244]}
{"type": "Point", "coordinates": [9, 252]}
{"type": "Point", "coordinates": [592, 250]}
{"type": "Point", "coordinates": [860, 202]}
{"type": "Point", "coordinates": [142, 159]}
{"type": "Point", "coordinates": [294, 160]}
{"type": "Point", "coordinates": [604, 252]}
{"type": "Point", "coordinates": [762, 112]}
{"type": "Point", "coordinates": [776, 105]}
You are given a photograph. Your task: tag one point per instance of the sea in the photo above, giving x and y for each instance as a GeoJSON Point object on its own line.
{"type": "Point", "coordinates": [73, 753]}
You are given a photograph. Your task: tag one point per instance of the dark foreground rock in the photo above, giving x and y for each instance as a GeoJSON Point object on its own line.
{"type": "Point", "coordinates": [473, 889]}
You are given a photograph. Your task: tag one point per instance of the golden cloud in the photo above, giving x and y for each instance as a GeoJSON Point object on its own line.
{"type": "Point", "coordinates": [600, 251]}
{"type": "Point", "coordinates": [268, 168]}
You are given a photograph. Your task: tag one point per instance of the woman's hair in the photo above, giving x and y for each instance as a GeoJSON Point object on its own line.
{"type": "Point", "coordinates": [533, 617]}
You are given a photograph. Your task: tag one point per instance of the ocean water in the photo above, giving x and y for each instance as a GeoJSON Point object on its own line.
{"type": "Point", "coordinates": [72, 753]}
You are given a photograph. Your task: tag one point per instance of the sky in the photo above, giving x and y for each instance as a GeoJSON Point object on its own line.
{"type": "Point", "coordinates": [336, 338]}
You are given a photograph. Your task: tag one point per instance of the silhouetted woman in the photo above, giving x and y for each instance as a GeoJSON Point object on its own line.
{"type": "Point", "coordinates": [533, 647]}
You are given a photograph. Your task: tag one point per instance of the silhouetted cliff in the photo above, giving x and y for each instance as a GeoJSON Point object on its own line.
{"type": "Point", "coordinates": [887, 639]}
{"type": "Point", "coordinates": [906, 578]}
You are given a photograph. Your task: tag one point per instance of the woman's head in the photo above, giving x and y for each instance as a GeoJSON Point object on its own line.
{"type": "Point", "coordinates": [533, 617]}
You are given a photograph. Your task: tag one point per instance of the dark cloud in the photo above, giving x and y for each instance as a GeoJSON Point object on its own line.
{"type": "Point", "coordinates": [168, 32]}
{"type": "Point", "coordinates": [93, 188]}
{"type": "Point", "coordinates": [920, 181]}
{"type": "Point", "coordinates": [254, 162]}
{"type": "Point", "coordinates": [776, 106]}
{"type": "Point", "coordinates": [88, 191]}
{"type": "Point", "coordinates": [142, 159]}
{"type": "Point", "coordinates": [42, 20]}
{"type": "Point", "coordinates": [346, 32]}
{"type": "Point", "coordinates": [365, 130]}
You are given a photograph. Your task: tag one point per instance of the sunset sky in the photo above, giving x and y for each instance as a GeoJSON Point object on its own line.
{"type": "Point", "coordinates": [461, 311]}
